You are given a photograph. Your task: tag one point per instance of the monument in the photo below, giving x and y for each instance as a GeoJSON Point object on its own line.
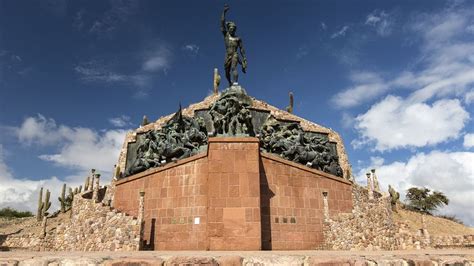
{"type": "Point", "coordinates": [233, 172]}
{"type": "Point", "coordinates": [229, 173]}
{"type": "Point", "coordinates": [233, 43]}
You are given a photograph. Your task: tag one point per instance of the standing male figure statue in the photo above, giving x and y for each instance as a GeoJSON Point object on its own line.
{"type": "Point", "coordinates": [232, 43]}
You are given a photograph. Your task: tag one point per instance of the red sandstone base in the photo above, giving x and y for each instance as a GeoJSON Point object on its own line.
{"type": "Point", "coordinates": [233, 198]}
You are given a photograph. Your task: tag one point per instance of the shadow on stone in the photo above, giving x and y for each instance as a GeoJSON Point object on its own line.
{"type": "Point", "coordinates": [265, 195]}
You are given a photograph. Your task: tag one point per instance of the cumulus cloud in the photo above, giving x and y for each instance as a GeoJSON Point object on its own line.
{"type": "Point", "coordinates": [454, 177]}
{"type": "Point", "coordinates": [468, 140]}
{"type": "Point", "coordinates": [381, 21]}
{"type": "Point", "coordinates": [340, 33]}
{"type": "Point", "coordinates": [445, 66]}
{"type": "Point", "coordinates": [22, 193]}
{"type": "Point", "coordinates": [396, 123]}
{"type": "Point", "coordinates": [441, 82]}
{"type": "Point", "coordinates": [78, 148]}
{"type": "Point", "coordinates": [367, 85]}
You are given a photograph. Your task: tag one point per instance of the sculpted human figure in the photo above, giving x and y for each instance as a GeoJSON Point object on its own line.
{"type": "Point", "coordinates": [232, 44]}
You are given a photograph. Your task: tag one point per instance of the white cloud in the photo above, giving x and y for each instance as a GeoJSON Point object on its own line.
{"type": "Point", "coordinates": [191, 48]}
{"type": "Point", "coordinates": [367, 85]}
{"type": "Point", "coordinates": [469, 97]}
{"type": "Point", "coordinates": [157, 59]}
{"type": "Point", "coordinates": [340, 33]}
{"type": "Point", "coordinates": [470, 28]}
{"type": "Point", "coordinates": [119, 13]}
{"type": "Point", "coordinates": [381, 21]}
{"type": "Point", "coordinates": [120, 121]}
{"type": "Point", "coordinates": [22, 193]}
{"type": "Point", "coordinates": [449, 172]}
{"type": "Point", "coordinates": [150, 61]}
{"type": "Point", "coordinates": [445, 66]}
{"type": "Point", "coordinates": [396, 123]}
{"type": "Point", "coordinates": [468, 140]}
{"type": "Point", "coordinates": [97, 71]}
{"type": "Point", "coordinates": [79, 148]}
{"type": "Point", "coordinates": [432, 112]}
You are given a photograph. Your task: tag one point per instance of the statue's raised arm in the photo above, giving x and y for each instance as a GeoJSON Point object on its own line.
{"type": "Point", "coordinates": [223, 26]}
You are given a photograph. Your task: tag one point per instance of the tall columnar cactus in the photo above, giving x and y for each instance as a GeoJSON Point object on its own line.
{"type": "Point", "coordinates": [43, 206]}
{"type": "Point", "coordinates": [289, 109]}
{"type": "Point", "coordinates": [46, 204]}
{"type": "Point", "coordinates": [62, 199]}
{"type": "Point", "coordinates": [86, 183]}
{"type": "Point", "coordinates": [40, 206]}
{"type": "Point", "coordinates": [117, 172]}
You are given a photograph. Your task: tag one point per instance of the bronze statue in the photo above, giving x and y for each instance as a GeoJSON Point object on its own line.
{"type": "Point", "coordinates": [232, 43]}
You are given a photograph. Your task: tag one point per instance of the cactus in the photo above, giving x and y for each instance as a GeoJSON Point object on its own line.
{"type": "Point", "coordinates": [62, 199]}
{"type": "Point", "coordinates": [46, 204]}
{"type": "Point", "coordinates": [43, 206]}
{"type": "Point", "coordinates": [145, 121]}
{"type": "Point", "coordinates": [40, 205]}
{"type": "Point", "coordinates": [117, 172]}
{"type": "Point", "coordinates": [289, 109]}
{"type": "Point", "coordinates": [80, 189]}
{"type": "Point", "coordinates": [86, 183]}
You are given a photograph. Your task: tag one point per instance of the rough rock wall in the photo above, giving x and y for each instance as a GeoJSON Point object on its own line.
{"type": "Point", "coordinates": [95, 227]}
{"type": "Point", "coordinates": [370, 226]}
{"type": "Point", "coordinates": [92, 227]}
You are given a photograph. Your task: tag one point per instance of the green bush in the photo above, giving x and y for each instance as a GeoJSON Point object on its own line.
{"type": "Point", "coordinates": [425, 201]}
{"type": "Point", "coordinates": [12, 213]}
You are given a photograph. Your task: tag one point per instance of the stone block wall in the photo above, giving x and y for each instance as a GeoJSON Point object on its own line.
{"type": "Point", "coordinates": [233, 198]}
{"type": "Point", "coordinates": [292, 203]}
{"type": "Point", "coordinates": [175, 216]}
{"type": "Point", "coordinates": [234, 194]}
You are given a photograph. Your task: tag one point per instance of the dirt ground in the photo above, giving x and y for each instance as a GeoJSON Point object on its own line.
{"type": "Point", "coordinates": [29, 224]}
{"type": "Point", "coordinates": [435, 225]}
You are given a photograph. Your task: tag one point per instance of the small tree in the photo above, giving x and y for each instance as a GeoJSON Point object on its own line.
{"type": "Point", "coordinates": [420, 199]}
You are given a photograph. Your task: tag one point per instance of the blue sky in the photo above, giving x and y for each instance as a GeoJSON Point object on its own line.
{"type": "Point", "coordinates": [394, 78]}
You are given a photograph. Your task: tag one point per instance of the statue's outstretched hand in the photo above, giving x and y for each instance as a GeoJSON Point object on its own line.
{"type": "Point", "coordinates": [226, 7]}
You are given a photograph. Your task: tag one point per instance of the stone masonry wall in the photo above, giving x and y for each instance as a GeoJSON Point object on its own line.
{"type": "Point", "coordinates": [370, 226]}
{"type": "Point", "coordinates": [175, 215]}
{"type": "Point", "coordinates": [292, 203]}
{"type": "Point", "coordinates": [92, 227]}
{"type": "Point", "coordinates": [95, 227]}
{"type": "Point", "coordinates": [234, 194]}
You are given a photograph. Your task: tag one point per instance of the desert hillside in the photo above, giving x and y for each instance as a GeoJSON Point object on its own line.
{"type": "Point", "coordinates": [435, 225]}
